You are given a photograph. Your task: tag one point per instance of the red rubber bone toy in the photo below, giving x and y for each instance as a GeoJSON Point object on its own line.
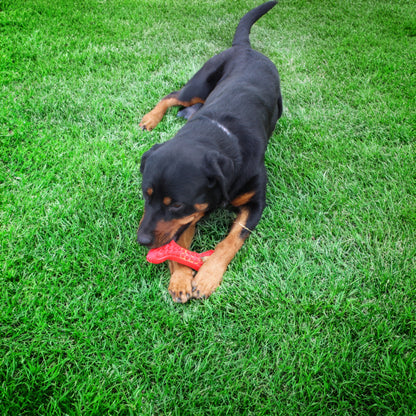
{"type": "Point", "coordinates": [175, 252]}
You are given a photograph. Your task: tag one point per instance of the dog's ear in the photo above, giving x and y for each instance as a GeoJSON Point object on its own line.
{"type": "Point", "coordinates": [146, 155]}
{"type": "Point", "coordinates": [219, 170]}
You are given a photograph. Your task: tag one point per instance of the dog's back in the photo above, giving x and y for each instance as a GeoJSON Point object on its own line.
{"type": "Point", "coordinates": [244, 86]}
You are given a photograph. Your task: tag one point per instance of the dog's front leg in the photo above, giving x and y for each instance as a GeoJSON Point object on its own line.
{"type": "Point", "coordinates": [180, 285]}
{"type": "Point", "coordinates": [210, 274]}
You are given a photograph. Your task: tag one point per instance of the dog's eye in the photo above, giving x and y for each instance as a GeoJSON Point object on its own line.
{"type": "Point", "coordinates": [176, 206]}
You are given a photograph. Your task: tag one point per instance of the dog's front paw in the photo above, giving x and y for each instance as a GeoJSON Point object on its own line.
{"type": "Point", "coordinates": [180, 286]}
{"type": "Point", "coordinates": [207, 280]}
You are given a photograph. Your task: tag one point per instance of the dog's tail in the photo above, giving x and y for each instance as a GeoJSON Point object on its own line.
{"type": "Point", "coordinates": [241, 37]}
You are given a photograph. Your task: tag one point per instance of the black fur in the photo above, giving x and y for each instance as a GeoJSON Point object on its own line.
{"type": "Point", "coordinates": [219, 154]}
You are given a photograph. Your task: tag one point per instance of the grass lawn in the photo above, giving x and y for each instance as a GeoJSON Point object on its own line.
{"type": "Point", "coordinates": [317, 313]}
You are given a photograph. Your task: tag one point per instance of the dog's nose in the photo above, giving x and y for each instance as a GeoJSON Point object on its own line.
{"type": "Point", "coordinates": [144, 239]}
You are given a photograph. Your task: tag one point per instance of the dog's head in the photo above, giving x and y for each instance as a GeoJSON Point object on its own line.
{"type": "Point", "coordinates": [179, 186]}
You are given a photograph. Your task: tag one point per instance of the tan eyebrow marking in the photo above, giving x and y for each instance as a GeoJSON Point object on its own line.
{"type": "Point", "coordinates": [167, 200]}
{"type": "Point", "coordinates": [149, 191]}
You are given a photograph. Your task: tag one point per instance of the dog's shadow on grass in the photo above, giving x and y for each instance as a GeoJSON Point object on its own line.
{"type": "Point", "coordinates": [212, 229]}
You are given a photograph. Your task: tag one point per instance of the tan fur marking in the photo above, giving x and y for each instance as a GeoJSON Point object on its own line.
{"type": "Point", "coordinates": [165, 230]}
{"type": "Point", "coordinates": [141, 219]}
{"type": "Point", "coordinates": [149, 191]}
{"type": "Point", "coordinates": [242, 199]}
{"type": "Point", "coordinates": [167, 200]}
{"type": "Point", "coordinates": [153, 117]}
{"type": "Point", "coordinates": [195, 100]}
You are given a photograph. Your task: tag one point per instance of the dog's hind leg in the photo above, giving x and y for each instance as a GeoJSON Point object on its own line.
{"type": "Point", "coordinates": [152, 118]}
{"type": "Point", "coordinates": [195, 91]}
{"type": "Point", "coordinates": [188, 112]}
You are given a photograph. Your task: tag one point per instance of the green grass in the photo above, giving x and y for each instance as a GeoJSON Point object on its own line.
{"type": "Point", "coordinates": [317, 313]}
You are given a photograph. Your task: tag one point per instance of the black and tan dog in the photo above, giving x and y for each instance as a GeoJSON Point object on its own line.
{"type": "Point", "coordinates": [232, 103]}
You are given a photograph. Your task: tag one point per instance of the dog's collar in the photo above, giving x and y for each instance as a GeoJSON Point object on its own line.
{"type": "Point", "coordinates": [219, 125]}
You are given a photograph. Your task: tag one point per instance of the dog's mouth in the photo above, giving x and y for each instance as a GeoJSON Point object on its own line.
{"type": "Point", "coordinates": [167, 238]}
{"type": "Point", "coordinates": [180, 231]}
{"type": "Point", "coordinates": [166, 231]}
